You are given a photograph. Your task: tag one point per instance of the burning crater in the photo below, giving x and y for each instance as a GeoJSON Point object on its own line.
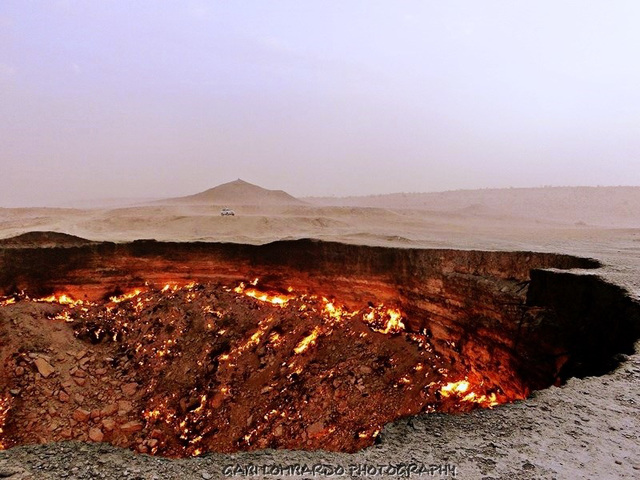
{"type": "Point", "coordinates": [179, 349]}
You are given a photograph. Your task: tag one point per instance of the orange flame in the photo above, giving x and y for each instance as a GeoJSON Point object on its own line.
{"type": "Point", "coordinates": [386, 322]}
{"type": "Point", "coordinates": [7, 301]}
{"type": "Point", "coordinates": [307, 341]}
{"type": "Point", "coordinates": [461, 387]}
{"type": "Point", "coordinates": [126, 296]}
{"type": "Point", "coordinates": [5, 406]}
{"type": "Point", "coordinates": [279, 300]}
{"type": "Point", "coordinates": [62, 299]}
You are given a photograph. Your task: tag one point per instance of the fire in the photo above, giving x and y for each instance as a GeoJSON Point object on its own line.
{"type": "Point", "coordinates": [335, 312]}
{"type": "Point", "coordinates": [461, 387]}
{"type": "Point", "coordinates": [454, 388]}
{"type": "Point", "coordinates": [62, 299]}
{"type": "Point", "coordinates": [307, 341]}
{"type": "Point", "coordinates": [384, 321]}
{"type": "Point", "coordinates": [5, 405]}
{"type": "Point", "coordinates": [253, 340]}
{"type": "Point", "coordinates": [4, 301]}
{"type": "Point", "coordinates": [279, 300]}
{"type": "Point", "coordinates": [170, 288]}
{"type": "Point", "coordinates": [64, 316]}
{"type": "Point", "coordinates": [126, 296]}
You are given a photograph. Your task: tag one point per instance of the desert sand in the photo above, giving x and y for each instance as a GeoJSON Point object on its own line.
{"type": "Point", "coordinates": [587, 428]}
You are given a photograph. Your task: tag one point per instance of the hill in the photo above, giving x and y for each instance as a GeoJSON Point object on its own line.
{"type": "Point", "coordinates": [238, 192]}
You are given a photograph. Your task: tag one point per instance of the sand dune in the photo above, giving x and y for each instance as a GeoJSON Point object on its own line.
{"type": "Point", "coordinates": [606, 206]}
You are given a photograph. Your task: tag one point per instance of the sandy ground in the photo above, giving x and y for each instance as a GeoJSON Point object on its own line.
{"type": "Point", "coordinates": [588, 428]}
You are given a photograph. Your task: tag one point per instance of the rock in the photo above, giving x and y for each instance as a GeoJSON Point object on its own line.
{"type": "Point", "coordinates": [217, 400]}
{"type": "Point", "coordinates": [278, 431]}
{"type": "Point", "coordinates": [129, 389]}
{"type": "Point", "coordinates": [79, 373]}
{"type": "Point", "coordinates": [100, 371]}
{"type": "Point", "coordinates": [124, 407]}
{"type": "Point", "coordinates": [95, 413]}
{"type": "Point", "coordinates": [152, 442]}
{"type": "Point", "coordinates": [315, 428]}
{"type": "Point", "coordinates": [63, 396]}
{"type": "Point", "coordinates": [80, 381]}
{"type": "Point", "coordinates": [19, 371]}
{"type": "Point", "coordinates": [96, 435]}
{"type": "Point", "coordinates": [131, 427]}
{"type": "Point", "coordinates": [108, 424]}
{"type": "Point", "coordinates": [44, 368]}
{"type": "Point", "coordinates": [80, 354]}
{"type": "Point", "coordinates": [66, 433]}
{"type": "Point", "coordinates": [81, 415]}
{"type": "Point", "coordinates": [109, 410]}
{"type": "Point", "coordinates": [365, 370]}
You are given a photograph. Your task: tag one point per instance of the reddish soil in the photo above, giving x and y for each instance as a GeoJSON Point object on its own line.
{"type": "Point", "coordinates": [184, 370]}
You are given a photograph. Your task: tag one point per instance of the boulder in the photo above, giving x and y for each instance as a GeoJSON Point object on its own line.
{"type": "Point", "coordinates": [44, 368]}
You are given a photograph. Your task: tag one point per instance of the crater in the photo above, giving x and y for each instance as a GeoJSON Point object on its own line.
{"type": "Point", "coordinates": [177, 349]}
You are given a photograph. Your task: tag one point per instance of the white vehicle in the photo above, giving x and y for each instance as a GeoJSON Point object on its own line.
{"type": "Point", "coordinates": [227, 212]}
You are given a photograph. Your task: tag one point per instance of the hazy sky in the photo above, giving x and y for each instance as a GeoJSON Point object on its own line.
{"type": "Point", "coordinates": [106, 99]}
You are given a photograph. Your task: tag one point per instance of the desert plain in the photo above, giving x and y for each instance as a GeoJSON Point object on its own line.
{"type": "Point", "coordinates": [585, 428]}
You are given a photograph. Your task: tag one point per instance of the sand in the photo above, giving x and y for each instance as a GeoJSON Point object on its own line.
{"type": "Point", "coordinates": [588, 428]}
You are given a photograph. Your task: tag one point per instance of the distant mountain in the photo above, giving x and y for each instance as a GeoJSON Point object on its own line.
{"type": "Point", "coordinates": [239, 192]}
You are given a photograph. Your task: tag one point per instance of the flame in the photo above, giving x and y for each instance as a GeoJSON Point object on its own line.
{"type": "Point", "coordinates": [5, 406]}
{"type": "Point", "coordinates": [334, 312]}
{"type": "Point", "coordinates": [458, 387]}
{"type": "Point", "coordinates": [7, 301]}
{"type": "Point", "coordinates": [279, 300]}
{"type": "Point", "coordinates": [384, 321]}
{"type": "Point", "coordinates": [307, 341]}
{"type": "Point", "coordinates": [62, 299]}
{"type": "Point", "coordinates": [64, 316]}
{"type": "Point", "coordinates": [461, 387]}
{"type": "Point", "coordinates": [126, 296]}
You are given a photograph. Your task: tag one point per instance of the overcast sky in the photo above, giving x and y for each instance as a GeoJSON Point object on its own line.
{"type": "Point", "coordinates": [103, 99]}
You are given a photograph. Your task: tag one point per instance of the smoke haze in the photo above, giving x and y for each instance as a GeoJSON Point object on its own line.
{"type": "Point", "coordinates": [159, 99]}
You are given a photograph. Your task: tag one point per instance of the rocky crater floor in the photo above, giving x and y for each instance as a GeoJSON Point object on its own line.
{"type": "Point", "coordinates": [232, 353]}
